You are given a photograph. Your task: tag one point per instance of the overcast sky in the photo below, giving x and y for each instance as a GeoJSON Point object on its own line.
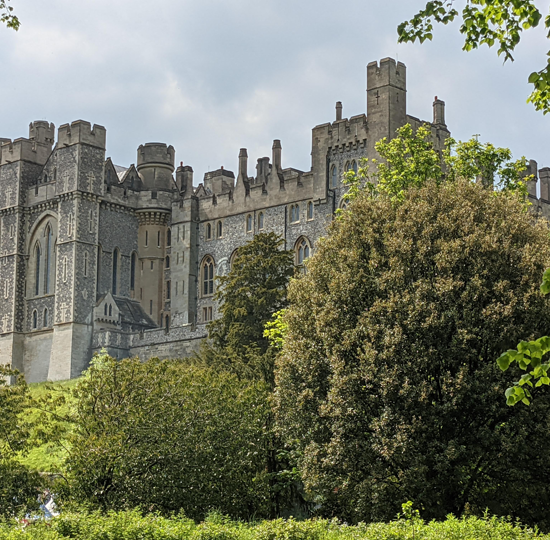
{"type": "Point", "coordinates": [212, 76]}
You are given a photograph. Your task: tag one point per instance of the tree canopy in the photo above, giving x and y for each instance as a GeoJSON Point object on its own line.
{"type": "Point", "coordinates": [254, 289]}
{"type": "Point", "coordinates": [486, 22]}
{"type": "Point", "coordinates": [387, 382]}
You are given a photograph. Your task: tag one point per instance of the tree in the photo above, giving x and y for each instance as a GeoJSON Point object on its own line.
{"type": "Point", "coordinates": [254, 289]}
{"type": "Point", "coordinates": [18, 485]}
{"type": "Point", "coordinates": [387, 383]}
{"type": "Point", "coordinates": [165, 436]}
{"type": "Point", "coordinates": [485, 22]}
{"type": "Point", "coordinates": [7, 16]}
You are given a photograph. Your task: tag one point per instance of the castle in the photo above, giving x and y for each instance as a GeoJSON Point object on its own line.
{"type": "Point", "coordinates": [93, 255]}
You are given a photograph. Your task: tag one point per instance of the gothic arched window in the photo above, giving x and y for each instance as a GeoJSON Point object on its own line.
{"type": "Point", "coordinates": [208, 276]}
{"type": "Point", "coordinates": [208, 231]}
{"type": "Point", "coordinates": [37, 255]}
{"type": "Point", "coordinates": [35, 319]}
{"type": "Point", "coordinates": [45, 317]}
{"type": "Point", "coordinates": [260, 221]}
{"type": "Point", "coordinates": [220, 229]}
{"type": "Point", "coordinates": [334, 177]}
{"type": "Point", "coordinates": [249, 223]}
{"type": "Point", "coordinates": [354, 166]}
{"type": "Point", "coordinates": [48, 261]}
{"type": "Point", "coordinates": [310, 210]}
{"type": "Point", "coordinates": [302, 251]}
{"type": "Point", "coordinates": [133, 272]}
{"type": "Point", "coordinates": [115, 271]}
{"type": "Point", "coordinates": [110, 310]}
{"type": "Point", "coordinates": [167, 262]}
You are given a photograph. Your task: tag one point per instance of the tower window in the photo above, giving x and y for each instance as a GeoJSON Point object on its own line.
{"type": "Point", "coordinates": [150, 307]}
{"type": "Point", "coordinates": [146, 238]}
{"type": "Point", "coordinates": [133, 272]}
{"type": "Point", "coordinates": [208, 231]}
{"type": "Point", "coordinates": [334, 177]}
{"type": "Point", "coordinates": [310, 210]}
{"type": "Point", "coordinates": [167, 262]}
{"type": "Point", "coordinates": [115, 271]}
{"type": "Point", "coordinates": [220, 229]}
{"type": "Point", "coordinates": [35, 319]}
{"type": "Point", "coordinates": [45, 320]}
{"type": "Point", "coordinates": [85, 264]}
{"type": "Point", "coordinates": [158, 239]}
{"type": "Point", "coordinates": [168, 290]}
{"type": "Point", "coordinates": [37, 254]}
{"type": "Point", "coordinates": [49, 248]}
{"type": "Point", "coordinates": [208, 276]}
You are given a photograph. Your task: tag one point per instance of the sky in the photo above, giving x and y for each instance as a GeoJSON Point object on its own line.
{"type": "Point", "coordinates": [212, 76]}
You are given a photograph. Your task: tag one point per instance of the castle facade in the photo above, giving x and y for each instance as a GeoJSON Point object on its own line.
{"type": "Point", "coordinates": [93, 255]}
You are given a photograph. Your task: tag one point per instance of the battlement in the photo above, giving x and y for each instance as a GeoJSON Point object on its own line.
{"type": "Point", "coordinates": [157, 154]}
{"type": "Point", "coordinates": [81, 132]}
{"type": "Point", "coordinates": [387, 73]}
{"type": "Point", "coordinates": [24, 150]}
{"type": "Point", "coordinates": [42, 132]}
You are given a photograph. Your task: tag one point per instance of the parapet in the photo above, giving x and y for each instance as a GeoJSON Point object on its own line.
{"type": "Point", "coordinates": [24, 150]}
{"type": "Point", "coordinates": [42, 132]}
{"type": "Point", "coordinates": [388, 73]}
{"type": "Point", "coordinates": [81, 132]}
{"type": "Point", "coordinates": [156, 154]}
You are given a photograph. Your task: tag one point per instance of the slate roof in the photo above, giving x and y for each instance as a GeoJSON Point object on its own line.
{"type": "Point", "coordinates": [132, 313]}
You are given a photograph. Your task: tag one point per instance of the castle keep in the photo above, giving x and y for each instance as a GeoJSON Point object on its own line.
{"type": "Point", "coordinates": [93, 255]}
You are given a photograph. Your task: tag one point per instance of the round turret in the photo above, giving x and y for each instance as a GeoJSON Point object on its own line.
{"type": "Point", "coordinates": [155, 164]}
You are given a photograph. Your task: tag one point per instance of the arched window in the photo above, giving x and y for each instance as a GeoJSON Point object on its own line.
{"type": "Point", "coordinates": [133, 271]}
{"type": "Point", "coordinates": [98, 269]}
{"type": "Point", "coordinates": [208, 231]}
{"type": "Point", "coordinates": [115, 271]}
{"type": "Point", "coordinates": [37, 255]}
{"type": "Point", "coordinates": [168, 290]}
{"type": "Point", "coordinates": [260, 221]}
{"type": "Point", "coordinates": [167, 262]}
{"type": "Point", "coordinates": [158, 238]}
{"type": "Point", "coordinates": [249, 223]}
{"type": "Point", "coordinates": [354, 166]}
{"type": "Point", "coordinates": [208, 276]}
{"type": "Point", "coordinates": [85, 264]}
{"type": "Point", "coordinates": [106, 307]}
{"type": "Point", "coordinates": [35, 319]}
{"type": "Point", "coordinates": [169, 237]}
{"type": "Point", "coordinates": [346, 168]}
{"type": "Point", "coordinates": [220, 229]}
{"type": "Point", "coordinates": [146, 238]}
{"type": "Point", "coordinates": [334, 177]}
{"type": "Point", "coordinates": [48, 261]}
{"type": "Point", "coordinates": [167, 323]}
{"type": "Point", "coordinates": [45, 317]}
{"type": "Point", "coordinates": [302, 251]}
{"type": "Point", "coordinates": [110, 310]}
{"type": "Point", "coordinates": [309, 210]}
{"type": "Point", "coordinates": [295, 213]}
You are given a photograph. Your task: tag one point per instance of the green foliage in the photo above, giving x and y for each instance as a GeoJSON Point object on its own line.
{"type": "Point", "coordinates": [134, 526]}
{"type": "Point", "coordinates": [528, 355]}
{"type": "Point", "coordinates": [486, 22]}
{"type": "Point", "coordinates": [7, 16]}
{"type": "Point", "coordinates": [387, 383]}
{"type": "Point", "coordinates": [254, 289]}
{"type": "Point", "coordinates": [18, 485]}
{"type": "Point", "coordinates": [409, 160]}
{"type": "Point", "coordinates": [165, 435]}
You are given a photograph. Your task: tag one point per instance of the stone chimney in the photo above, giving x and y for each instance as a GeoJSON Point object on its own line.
{"type": "Point", "coordinates": [439, 112]}
{"type": "Point", "coordinates": [338, 111]}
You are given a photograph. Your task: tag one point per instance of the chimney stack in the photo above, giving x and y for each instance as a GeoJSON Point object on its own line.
{"type": "Point", "coordinates": [439, 112]}
{"type": "Point", "coordinates": [338, 111]}
{"type": "Point", "coordinates": [276, 154]}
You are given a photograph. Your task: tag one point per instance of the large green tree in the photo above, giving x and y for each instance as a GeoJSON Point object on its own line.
{"type": "Point", "coordinates": [497, 23]}
{"type": "Point", "coordinates": [387, 382]}
{"type": "Point", "coordinates": [165, 436]}
{"type": "Point", "coordinates": [253, 290]}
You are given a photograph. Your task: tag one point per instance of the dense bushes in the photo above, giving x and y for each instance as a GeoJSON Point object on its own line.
{"type": "Point", "coordinates": [165, 436]}
{"type": "Point", "coordinates": [134, 526]}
